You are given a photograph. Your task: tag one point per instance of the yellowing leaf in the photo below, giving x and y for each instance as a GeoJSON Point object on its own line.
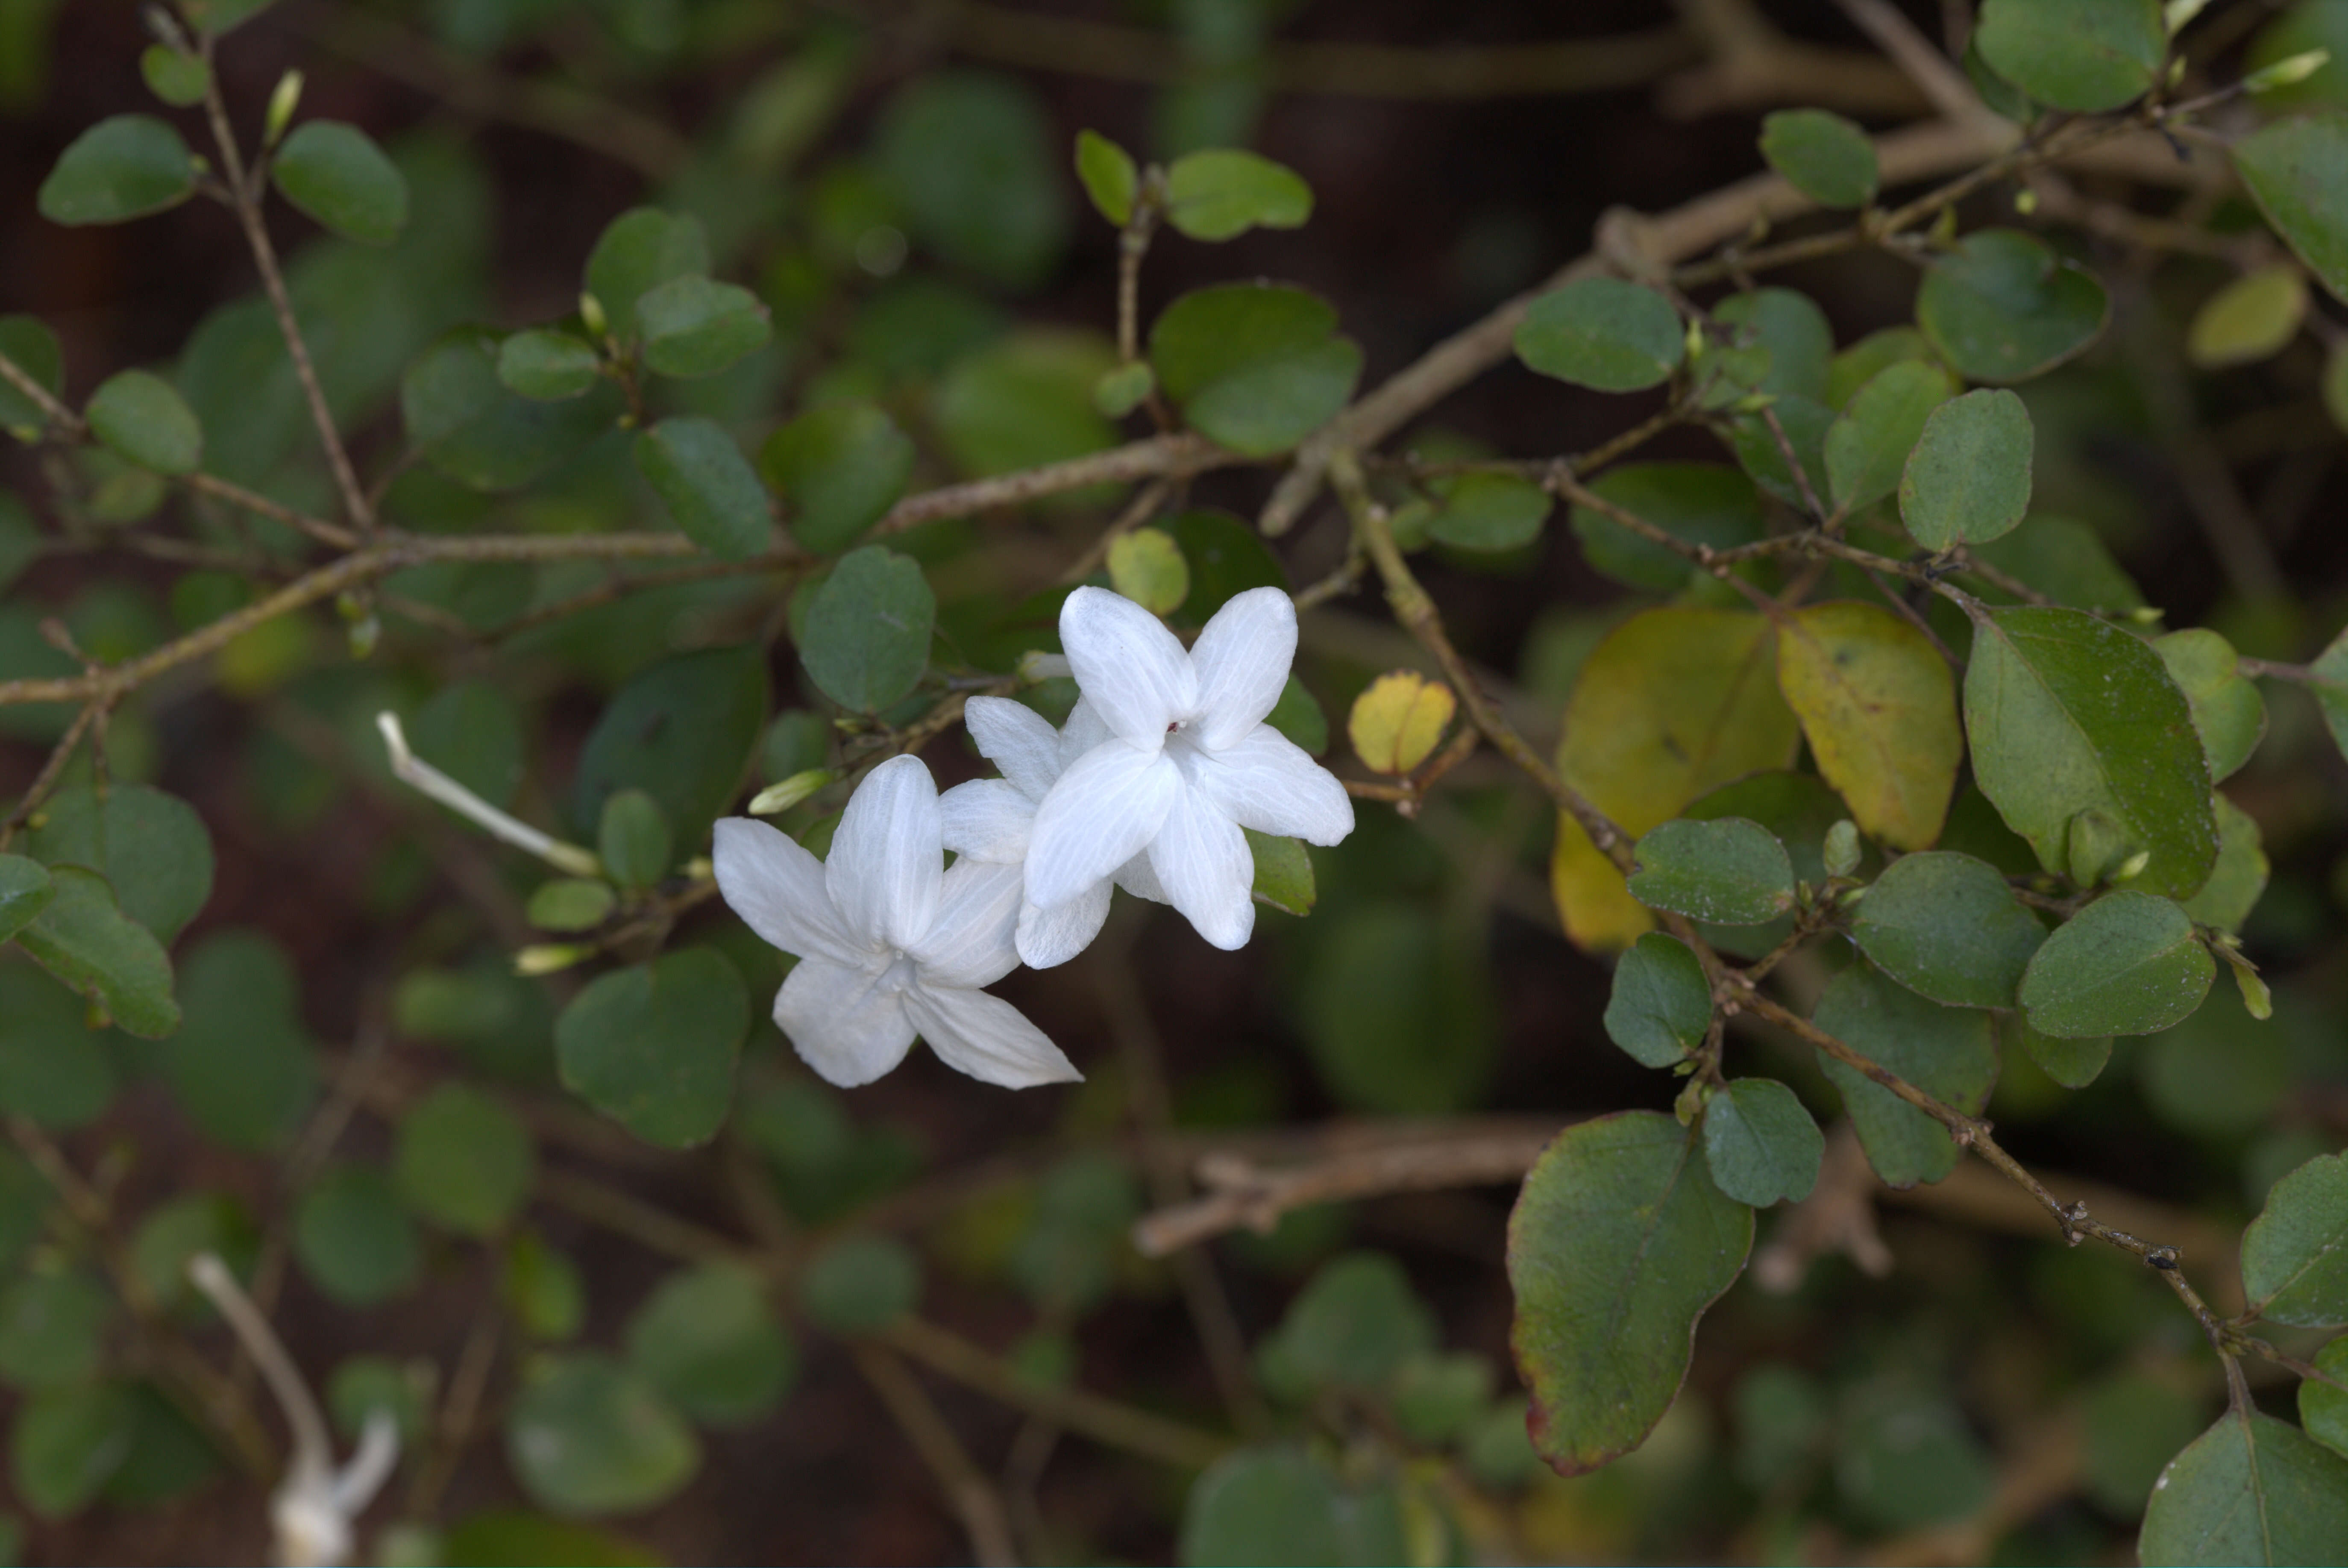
{"type": "Point", "coordinates": [1398, 720]}
{"type": "Point", "coordinates": [1146, 566]}
{"type": "Point", "coordinates": [1674, 704]}
{"type": "Point", "coordinates": [1879, 706]}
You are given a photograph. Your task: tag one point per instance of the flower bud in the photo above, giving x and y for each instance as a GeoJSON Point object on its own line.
{"type": "Point", "coordinates": [281, 104]}
{"type": "Point", "coordinates": [2289, 71]}
{"type": "Point", "coordinates": [782, 797]}
{"type": "Point", "coordinates": [1842, 848]}
{"type": "Point", "coordinates": [549, 958]}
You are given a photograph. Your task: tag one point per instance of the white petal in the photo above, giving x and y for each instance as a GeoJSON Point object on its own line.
{"type": "Point", "coordinates": [1269, 783]}
{"type": "Point", "coordinates": [1136, 878]}
{"type": "Point", "coordinates": [1050, 936]}
{"type": "Point", "coordinates": [1242, 659]}
{"type": "Point", "coordinates": [1132, 669]}
{"type": "Point", "coordinates": [1104, 807]}
{"type": "Point", "coordinates": [978, 910]}
{"type": "Point", "coordinates": [1085, 729]}
{"type": "Point", "coordinates": [1017, 739]}
{"type": "Point", "coordinates": [987, 819]}
{"type": "Point", "coordinates": [1202, 858]}
{"type": "Point", "coordinates": [777, 889]}
{"type": "Point", "coordinates": [842, 1023]}
{"type": "Point", "coordinates": [988, 1038]}
{"type": "Point", "coordinates": [887, 855]}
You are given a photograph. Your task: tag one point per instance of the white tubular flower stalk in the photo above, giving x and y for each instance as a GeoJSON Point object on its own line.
{"type": "Point", "coordinates": [427, 779]}
{"type": "Point", "coordinates": [312, 1513]}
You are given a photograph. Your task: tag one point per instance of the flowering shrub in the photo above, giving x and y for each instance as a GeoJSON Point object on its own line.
{"type": "Point", "coordinates": [1876, 799]}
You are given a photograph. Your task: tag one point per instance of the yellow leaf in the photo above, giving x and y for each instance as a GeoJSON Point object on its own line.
{"type": "Point", "coordinates": [2250, 319]}
{"type": "Point", "coordinates": [1671, 705]}
{"type": "Point", "coordinates": [1146, 566]}
{"type": "Point", "coordinates": [1397, 719]}
{"type": "Point", "coordinates": [1879, 706]}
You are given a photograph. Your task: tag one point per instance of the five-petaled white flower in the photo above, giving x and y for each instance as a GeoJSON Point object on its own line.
{"type": "Point", "coordinates": [1186, 763]}
{"type": "Point", "coordinates": [993, 819]}
{"type": "Point", "coordinates": [890, 944]}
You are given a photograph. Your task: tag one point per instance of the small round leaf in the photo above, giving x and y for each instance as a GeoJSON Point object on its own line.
{"type": "Point", "coordinates": [1604, 333]}
{"type": "Point", "coordinates": [1762, 1145]}
{"type": "Point", "coordinates": [694, 326]}
{"type": "Point", "coordinates": [2002, 307]}
{"type": "Point", "coordinates": [587, 1437]}
{"type": "Point", "coordinates": [1822, 155]}
{"type": "Point", "coordinates": [336, 174]}
{"type": "Point", "coordinates": [126, 167]}
{"type": "Point", "coordinates": [354, 1240]}
{"type": "Point", "coordinates": [2250, 319]}
{"type": "Point", "coordinates": [653, 1045]}
{"type": "Point", "coordinates": [1729, 871]}
{"type": "Point", "coordinates": [464, 1162]}
{"type": "Point", "coordinates": [1947, 926]}
{"type": "Point", "coordinates": [1968, 480]}
{"type": "Point", "coordinates": [866, 639]}
{"type": "Point", "coordinates": [144, 418]}
{"type": "Point", "coordinates": [707, 485]}
{"type": "Point", "coordinates": [2128, 963]}
{"type": "Point", "coordinates": [1106, 173]}
{"type": "Point", "coordinates": [1399, 719]}
{"type": "Point", "coordinates": [1146, 566]}
{"type": "Point", "coordinates": [840, 466]}
{"type": "Point", "coordinates": [1660, 1007]}
{"type": "Point", "coordinates": [1222, 192]}
{"type": "Point", "coordinates": [548, 365]}
{"type": "Point", "coordinates": [860, 1283]}
{"type": "Point", "coordinates": [709, 1339]}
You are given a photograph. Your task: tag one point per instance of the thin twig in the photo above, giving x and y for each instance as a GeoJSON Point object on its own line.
{"type": "Point", "coordinates": [974, 1497]}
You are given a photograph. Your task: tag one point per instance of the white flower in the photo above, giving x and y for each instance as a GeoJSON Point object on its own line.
{"type": "Point", "coordinates": [1187, 762]}
{"type": "Point", "coordinates": [993, 820]}
{"type": "Point", "coordinates": [891, 946]}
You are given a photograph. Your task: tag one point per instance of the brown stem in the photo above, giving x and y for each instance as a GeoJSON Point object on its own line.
{"type": "Point", "coordinates": [974, 1497]}
{"type": "Point", "coordinates": [246, 199]}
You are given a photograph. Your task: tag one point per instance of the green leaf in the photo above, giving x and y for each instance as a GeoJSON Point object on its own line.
{"type": "Point", "coordinates": [1437, 1395]}
{"type": "Point", "coordinates": [471, 427]}
{"type": "Point", "coordinates": [712, 493]}
{"type": "Point", "coordinates": [2297, 172]}
{"type": "Point", "coordinates": [1066, 1261]}
{"type": "Point", "coordinates": [152, 847]}
{"type": "Point", "coordinates": [1822, 155]}
{"type": "Point", "coordinates": [1222, 192]}
{"type": "Point", "coordinates": [1948, 927]}
{"type": "Point", "coordinates": [24, 891]}
{"type": "Point", "coordinates": [52, 1328]}
{"type": "Point", "coordinates": [2295, 30]}
{"type": "Point", "coordinates": [2228, 712]}
{"type": "Point", "coordinates": [1618, 1242]}
{"type": "Point", "coordinates": [543, 1289]}
{"type": "Point", "coordinates": [122, 168]}
{"type": "Point", "coordinates": [1297, 715]}
{"type": "Point", "coordinates": [587, 1437]}
{"type": "Point", "coordinates": [1730, 872]}
{"type": "Point", "coordinates": [1968, 480]}
{"type": "Point", "coordinates": [28, 341]}
{"type": "Point", "coordinates": [709, 1341]}
{"type": "Point", "coordinates": [1146, 566]}
{"type": "Point", "coordinates": [1870, 441]}
{"type": "Point", "coordinates": [2128, 963]}
{"type": "Point", "coordinates": [84, 939]}
{"type": "Point", "coordinates": [217, 16]}
{"type": "Point", "coordinates": [2295, 1253]}
{"type": "Point", "coordinates": [632, 839]}
{"type": "Point", "coordinates": [1950, 1053]}
{"type": "Point", "coordinates": [2322, 1408]}
{"type": "Point", "coordinates": [548, 365]}
{"type": "Point", "coordinates": [840, 466]}
{"type": "Point", "coordinates": [1660, 1007]}
{"type": "Point", "coordinates": [464, 1162]}
{"type": "Point", "coordinates": [1603, 334]}
{"type": "Point", "coordinates": [1702, 503]}
{"type": "Point", "coordinates": [1879, 707]}
{"type": "Point", "coordinates": [178, 78]}
{"type": "Point", "coordinates": [2002, 307]}
{"type": "Point", "coordinates": [1254, 367]}
{"type": "Point", "coordinates": [1792, 333]}
{"type": "Point", "coordinates": [968, 156]}
{"type": "Point", "coordinates": [1763, 457]}
{"type": "Point", "coordinates": [67, 1443]}
{"type": "Point", "coordinates": [1277, 1503]}
{"type": "Point", "coordinates": [1397, 1010]}
{"type": "Point", "coordinates": [1353, 1325]}
{"type": "Point", "coordinates": [2132, 1424]}
{"type": "Point", "coordinates": [681, 730]}
{"type": "Point", "coordinates": [694, 326]}
{"type": "Point", "coordinates": [1106, 170]}
{"type": "Point", "coordinates": [1855, 367]}
{"type": "Point", "coordinates": [867, 635]}
{"type": "Point", "coordinates": [2073, 1063]}
{"type": "Point", "coordinates": [336, 174]}
{"type": "Point", "coordinates": [1121, 390]}
{"type": "Point", "coordinates": [1905, 1458]}
{"type": "Point", "coordinates": [2085, 55]}
{"type": "Point", "coordinates": [1490, 512]}
{"type": "Point", "coordinates": [2328, 679]}
{"type": "Point", "coordinates": [177, 1229]}
{"type": "Point", "coordinates": [56, 1071]}
{"type": "Point", "coordinates": [362, 1384]}
{"type": "Point", "coordinates": [1023, 401]}
{"type": "Point", "coordinates": [473, 730]}
{"type": "Point", "coordinates": [1761, 1144]}
{"type": "Point", "coordinates": [354, 1240]}
{"type": "Point", "coordinates": [653, 1045]}
{"type": "Point", "coordinates": [2232, 890]}
{"type": "Point", "coordinates": [2251, 1490]}
{"type": "Point", "coordinates": [144, 418]}
{"type": "Point", "coordinates": [2252, 318]}
{"type": "Point", "coordinates": [1284, 872]}
{"type": "Point", "coordinates": [638, 250]}
{"type": "Point", "coordinates": [1227, 557]}
{"type": "Point", "coordinates": [2068, 714]}
{"type": "Point", "coordinates": [860, 1283]}
{"type": "Point", "coordinates": [241, 1064]}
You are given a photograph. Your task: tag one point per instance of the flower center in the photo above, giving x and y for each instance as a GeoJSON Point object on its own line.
{"type": "Point", "coordinates": [900, 976]}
